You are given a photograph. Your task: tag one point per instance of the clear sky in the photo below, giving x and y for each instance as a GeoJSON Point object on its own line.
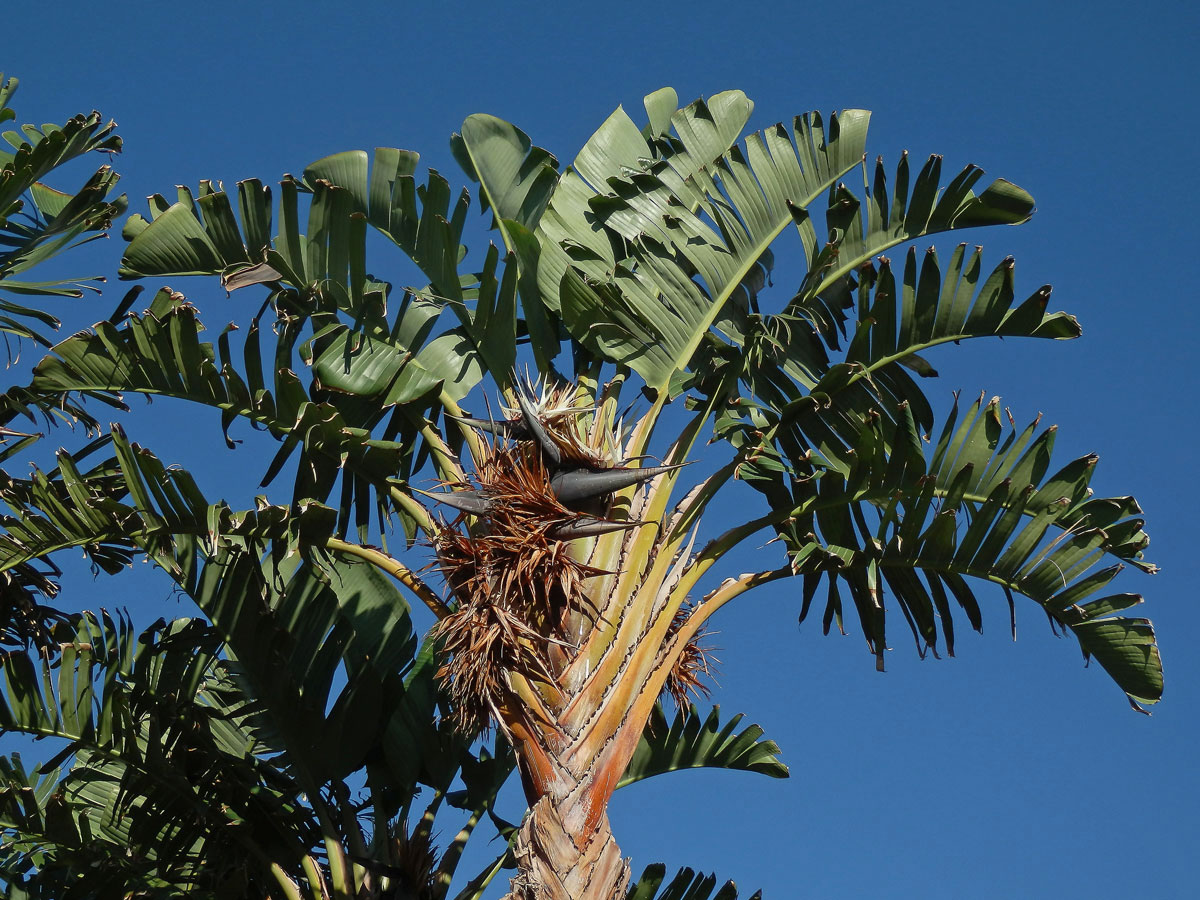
{"type": "Point", "coordinates": [1010, 771]}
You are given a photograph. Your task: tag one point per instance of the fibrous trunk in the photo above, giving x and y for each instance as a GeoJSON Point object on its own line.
{"type": "Point", "coordinates": [563, 857]}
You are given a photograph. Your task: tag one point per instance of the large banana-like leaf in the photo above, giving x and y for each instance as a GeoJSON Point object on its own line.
{"type": "Point", "coordinates": [348, 616]}
{"type": "Point", "coordinates": [161, 353]}
{"type": "Point", "coordinates": [275, 698]}
{"type": "Point", "coordinates": [516, 177]}
{"type": "Point", "coordinates": [655, 215]}
{"type": "Point", "coordinates": [70, 510]}
{"type": "Point", "coordinates": [896, 322]}
{"type": "Point", "coordinates": [288, 637]}
{"type": "Point", "coordinates": [618, 149]}
{"type": "Point", "coordinates": [41, 827]}
{"type": "Point", "coordinates": [133, 707]}
{"type": "Point", "coordinates": [981, 507]}
{"type": "Point", "coordinates": [926, 310]}
{"type": "Point", "coordinates": [693, 741]}
{"type": "Point", "coordinates": [289, 633]}
{"type": "Point", "coordinates": [38, 222]}
{"type": "Point", "coordinates": [63, 495]}
{"type": "Point", "coordinates": [130, 700]}
{"type": "Point", "coordinates": [272, 708]}
{"type": "Point", "coordinates": [80, 693]}
{"type": "Point", "coordinates": [431, 236]}
{"type": "Point", "coordinates": [164, 787]}
{"type": "Point", "coordinates": [516, 181]}
{"type": "Point", "coordinates": [686, 251]}
{"type": "Point", "coordinates": [35, 821]}
{"type": "Point", "coordinates": [686, 885]}
{"type": "Point", "coordinates": [28, 588]}
{"type": "Point", "coordinates": [324, 268]}
{"type": "Point", "coordinates": [165, 508]}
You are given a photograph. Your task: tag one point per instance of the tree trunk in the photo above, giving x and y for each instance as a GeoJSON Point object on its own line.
{"type": "Point", "coordinates": [571, 754]}
{"type": "Point", "coordinates": [563, 853]}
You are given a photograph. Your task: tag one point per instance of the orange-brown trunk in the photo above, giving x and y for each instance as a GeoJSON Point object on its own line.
{"type": "Point", "coordinates": [566, 852]}
{"type": "Point", "coordinates": [565, 849]}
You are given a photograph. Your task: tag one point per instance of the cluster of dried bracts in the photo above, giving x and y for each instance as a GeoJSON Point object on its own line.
{"type": "Point", "coordinates": [519, 573]}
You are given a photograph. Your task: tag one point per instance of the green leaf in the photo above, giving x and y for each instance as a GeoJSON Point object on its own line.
{"type": "Point", "coordinates": [73, 509]}
{"type": "Point", "coordinates": [680, 267]}
{"type": "Point", "coordinates": [516, 177]}
{"type": "Point", "coordinates": [927, 311]}
{"type": "Point", "coordinates": [1127, 650]}
{"type": "Point", "coordinates": [686, 885]}
{"type": "Point", "coordinates": [997, 517]}
{"type": "Point", "coordinates": [176, 243]}
{"type": "Point", "coordinates": [692, 742]}
{"type": "Point", "coordinates": [322, 273]}
{"type": "Point", "coordinates": [80, 692]}
{"type": "Point", "coordinates": [289, 632]}
{"type": "Point", "coordinates": [171, 795]}
{"type": "Point", "coordinates": [616, 149]}
{"type": "Point", "coordinates": [38, 222]}
{"type": "Point", "coordinates": [663, 221]}
{"type": "Point", "coordinates": [160, 353]}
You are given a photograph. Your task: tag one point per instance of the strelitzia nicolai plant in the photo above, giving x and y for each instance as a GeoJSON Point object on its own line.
{"type": "Point", "coordinates": [576, 579]}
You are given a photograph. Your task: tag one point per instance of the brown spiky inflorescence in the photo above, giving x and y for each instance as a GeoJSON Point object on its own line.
{"type": "Point", "coordinates": [515, 583]}
{"type": "Point", "coordinates": [413, 861]}
{"type": "Point", "coordinates": [695, 663]}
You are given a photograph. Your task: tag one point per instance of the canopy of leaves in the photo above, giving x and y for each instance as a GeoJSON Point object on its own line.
{"type": "Point", "coordinates": [220, 755]}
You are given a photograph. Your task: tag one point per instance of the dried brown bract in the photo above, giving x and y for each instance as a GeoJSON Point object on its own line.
{"type": "Point", "coordinates": [515, 586]}
{"type": "Point", "coordinates": [696, 662]}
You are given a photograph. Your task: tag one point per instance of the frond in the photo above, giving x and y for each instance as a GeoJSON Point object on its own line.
{"type": "Point", "coordinates": [686, 885]}
{"type": "Point", "coordinates": [160, 353]}
{"type": "Point", "coordinates": [38, 222]}
{"type": "Point", "coordinates": [981, 507]}
{"type": "Point", "coordinates": [516, 181]}
{"type": "Point", "coordinates": [693, 741]}
{"type": "Point", "coordinates": [79, 692]}
{"type": "Point", "coordinates": [688, 246]}
{"type": "Point", "coordinates": [136, 502]}
{"type": "Point", "coordinates": [318, 270]}
{"type": "Point", "coordinates": [161, 764]}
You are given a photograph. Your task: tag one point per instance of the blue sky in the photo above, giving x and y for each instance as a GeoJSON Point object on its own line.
{"type": "Point", "coordinates": [1009, 771]}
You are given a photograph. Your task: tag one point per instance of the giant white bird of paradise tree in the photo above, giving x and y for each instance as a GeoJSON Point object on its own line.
{"type": "Point", "coordinates": [573, 571]}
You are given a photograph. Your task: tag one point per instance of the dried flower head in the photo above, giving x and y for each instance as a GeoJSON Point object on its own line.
{"type": "Point", "coordinates": [412, 862]}
{"type": "Point", "coordinates": [696, 662]}
{"type": "Point", "coordinates": [515, 585]}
